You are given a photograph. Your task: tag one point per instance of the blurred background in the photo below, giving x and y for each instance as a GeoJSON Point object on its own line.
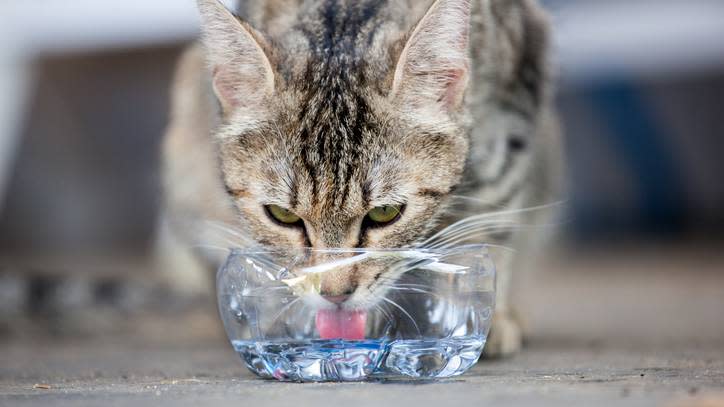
{"type": "Point", "coordinates": [84, 101]}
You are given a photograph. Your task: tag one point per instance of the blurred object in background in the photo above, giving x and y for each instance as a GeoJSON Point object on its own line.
{"type": "Point", "coordinates": [85, 182]}
{"type": "Point", "coordinates": [641, 96]}
{"type": "Point", "coordinates": [84, 100]}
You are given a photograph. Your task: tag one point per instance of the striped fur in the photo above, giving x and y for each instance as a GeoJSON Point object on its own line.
{"type": "Point", "coordinates": [370, 103]}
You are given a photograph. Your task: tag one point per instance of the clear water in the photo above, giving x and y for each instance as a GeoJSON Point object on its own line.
{"type": "Point", "coordinates": [338, 360]}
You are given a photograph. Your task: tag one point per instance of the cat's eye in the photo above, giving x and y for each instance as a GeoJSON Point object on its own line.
{"type": "Point", "coordinates": [384, 215]}
{"type": "Point", "coordinates": [282, 215]}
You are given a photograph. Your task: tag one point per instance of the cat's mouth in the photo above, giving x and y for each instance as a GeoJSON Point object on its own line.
{"type": "Point", "coordinates": [344, 290]}
{"type": "Point", "coordinates": [341, 317]}
{"type": "Point", "coordinates": [339, 323]}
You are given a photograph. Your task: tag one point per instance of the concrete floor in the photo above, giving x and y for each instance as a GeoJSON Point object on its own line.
{"type": "Point", "coordinates": [131, 374]}
{"type": "Point", "coordinates": [643, 328]}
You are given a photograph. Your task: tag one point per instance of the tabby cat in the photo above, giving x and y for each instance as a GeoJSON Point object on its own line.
{"type": "Point", "coordinates": [361, 123]}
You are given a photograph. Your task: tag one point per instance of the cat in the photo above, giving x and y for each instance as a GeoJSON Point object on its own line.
{"type": "Point", "coordinates": [361, 123]}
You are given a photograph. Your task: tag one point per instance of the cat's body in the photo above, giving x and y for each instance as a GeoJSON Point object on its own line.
{"type": "Point", "coordinates": [342, 106]}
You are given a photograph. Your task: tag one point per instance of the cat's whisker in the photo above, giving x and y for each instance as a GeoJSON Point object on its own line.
{"type": "Point", "coordinates": [390, 282]}
{"type": "Point", "coordinates": [461, 236]}
{"type": "Point", "coordinates": [268, 263]}
{"type": "Point", "coordinates": [265, 290]}
{"type": "Point", "coordinates": [404, 267]}
{"type": "Point", "coordinates": [223, 227]}
{"type": "Point", "coordinates": [271, 289]}
{"type": "Point", "coordinates": [398, 284]}
{"type": "Point", "coordinates": [476, 226]}
{"type": "Point", "coordinates": [477, 220]}
{"type": "Point", "coordinates": [501, 247]}
{"type": "Point", "coordinates": [467, 198]}
{"type": "Point", "coordinates": [523, 210]}
{"type": "Point", "coordinates": [210, 247]}
{"type": "Point", "coordinates": [493, 216]}
{"type": "Point", "coordinates": [481, 231]}
{"type": "Point", "coordinates": [217, 242]}
{"type": "Point", "coordinates": [480, 228]}
{"type": "Point", "coordinates": [477, 202]}
{"type": "Point", "coordinates": [415, 290]}
{"type": "Point", "coordinates": [239, 239]}
{"type": "Point", "coordinates": [284, 309]}
{"type": "Point", "coordinates": [402, 309]}
{"type": "Point", "coordinates": [384, 312]}
{"type": "Point", "coordinates": [505, 227]}
{"type": "Point", "coordinates": [229, 242]}
{"type": "Point", "coordinates": [470, 238]}
{"type": "Point", "coordinates": [467, 224]}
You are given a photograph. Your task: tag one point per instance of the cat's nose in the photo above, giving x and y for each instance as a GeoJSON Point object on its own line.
{"type": "Point", "coordinates": [338, 293]}
{"type": "Point", "coordinates": [337, 299]}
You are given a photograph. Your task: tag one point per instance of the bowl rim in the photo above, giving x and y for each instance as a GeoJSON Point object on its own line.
{"type": "Point", "coordinates": [461, 248]}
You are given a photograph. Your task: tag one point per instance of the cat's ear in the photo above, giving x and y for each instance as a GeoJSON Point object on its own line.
{"type": "Point", "coordinates": [433, 69]}
{"type": "Point", "coordinates": [241, 71]}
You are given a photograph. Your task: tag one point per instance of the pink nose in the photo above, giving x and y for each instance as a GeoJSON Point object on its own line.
{"type": "Point", "coordinates": [337, 299]}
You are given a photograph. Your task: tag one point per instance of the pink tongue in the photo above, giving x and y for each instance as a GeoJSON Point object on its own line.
{"type": "Point", "coordinates": [341, 324]}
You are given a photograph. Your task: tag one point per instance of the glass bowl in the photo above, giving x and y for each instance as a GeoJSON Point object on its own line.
{"type": "Point", "coordinates": [351, 315]}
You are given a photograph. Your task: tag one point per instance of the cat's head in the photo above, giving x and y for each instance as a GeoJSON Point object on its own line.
{"type": "Point", "coordinates": [341, 134]}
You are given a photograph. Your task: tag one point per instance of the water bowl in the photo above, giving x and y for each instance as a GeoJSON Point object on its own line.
{"type": "Point", "coordinates": [352, 315]}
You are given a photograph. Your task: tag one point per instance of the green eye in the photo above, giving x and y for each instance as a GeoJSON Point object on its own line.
{"type": "Point", "coordinates": [385, 214]}
{"type": "Point", "coordinates": [282, 215]}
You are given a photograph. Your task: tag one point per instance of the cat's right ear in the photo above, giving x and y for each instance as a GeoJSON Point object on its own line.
{"type": "Point", "coordinates": [432, 72]}
{"type": "Point", "coordinates": [241, 71]}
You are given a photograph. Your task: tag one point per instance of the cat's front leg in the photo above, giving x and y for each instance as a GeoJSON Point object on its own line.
{"type": "Point", "coordinates": [182, 270]}
{"type": "Point", "coordinates": [506, 334]}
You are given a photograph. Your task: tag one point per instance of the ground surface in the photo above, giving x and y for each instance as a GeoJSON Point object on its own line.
{"type": "Point", "coordinates": [130, 374]}
{"type": "Point", "coordinates": [612, 328]}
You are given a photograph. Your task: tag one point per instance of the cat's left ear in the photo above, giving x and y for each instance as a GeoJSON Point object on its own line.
{"type": "Point", "coordinates": [242, 75]}
{"type": "Point", "coordinates": [433, 69]}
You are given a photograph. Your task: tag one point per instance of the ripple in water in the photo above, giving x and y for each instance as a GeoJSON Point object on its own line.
{"type": "Point", "coordinates": [338, 360]}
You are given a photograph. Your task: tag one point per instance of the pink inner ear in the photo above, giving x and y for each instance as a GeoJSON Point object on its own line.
{"type": "Point", "coordinates": [433, 67]}
{"type": "Point", "coordinates": [454, 88]}
{"type": "Point", "coordinates": [240, 86]}
{"type": "Point", "coordinates": [226, 87]}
